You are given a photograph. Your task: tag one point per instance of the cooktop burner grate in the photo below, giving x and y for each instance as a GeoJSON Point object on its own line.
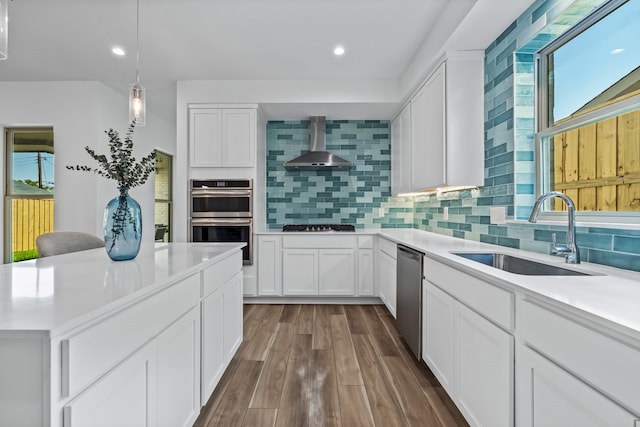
{"type": "Point", "coordinates": [318, 227]}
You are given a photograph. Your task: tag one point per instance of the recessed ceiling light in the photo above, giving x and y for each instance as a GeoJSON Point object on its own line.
{"type": "Point", "coordinates": [616, 51]}
{"type": "Point", "coordinates": [339, 50]}
{"type": "Point", "coordinates": [118, 51]}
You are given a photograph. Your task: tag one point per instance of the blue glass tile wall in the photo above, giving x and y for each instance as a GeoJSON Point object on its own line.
{"type": "Point", "coordinates": [509, 151]}
{"type": "Point", "coordinates": [351, 196]}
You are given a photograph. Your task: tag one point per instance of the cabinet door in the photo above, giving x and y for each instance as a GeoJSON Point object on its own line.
{"type": "Point", "coordinates": [337, 272]}
{"type": "Point", "coordinates": [548, 396]}
{"type": "Point", "coordinates": [428, 137]}
{"type": "Point", "coordinates": [269, 265]}
{"type": "Point", "coordinates": [484, 370]}
{"type": "Point", "coordinates": [300, 272]}
{"type": "Point", "coordinates": [401, 152]}
{"type": "Point", "coordinates": [239, 136]}
{"type": "Point", "coordinates": [205, 137]}
{"type": "Point", "coordinates": [232, 334]}
{"type": "Point", "coordinates": [126, 396]}
{"type": "Point", "coordinates": [365, 272]}
{"type": "Point", "coordinates": [387, 281]}
{"type": "Point", "coordinates": [439, 344]}
{"type": "Point", "coordinates": [213, 353]}
{"type": "Point", "coordinates": [178, 364]}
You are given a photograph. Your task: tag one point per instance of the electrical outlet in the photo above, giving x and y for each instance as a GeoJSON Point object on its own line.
{"type": "Point", "coordinates": [445, 213]}
{"type": "Point", "coordinates": [497, 215]}
{"type": "Point", "coordinates": [380, 212]}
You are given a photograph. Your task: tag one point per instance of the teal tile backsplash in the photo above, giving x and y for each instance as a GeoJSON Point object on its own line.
{"type": "Point", "coordinates": [327, 196]}
{"type": "Point", "coordinates": [355, 196]}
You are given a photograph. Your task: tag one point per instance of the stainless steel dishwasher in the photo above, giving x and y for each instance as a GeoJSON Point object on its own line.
{"type": "Point", "coordinates": [409, 294]}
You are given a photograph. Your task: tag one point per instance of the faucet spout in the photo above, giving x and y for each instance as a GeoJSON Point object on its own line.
{"type": "Point", "coordinates": [570, 251]}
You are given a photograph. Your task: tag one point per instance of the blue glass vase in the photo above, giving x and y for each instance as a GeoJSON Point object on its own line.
{"type": "Point", "coordinates": [122, 227]}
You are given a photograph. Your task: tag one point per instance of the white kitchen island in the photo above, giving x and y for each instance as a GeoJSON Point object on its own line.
{"type": "Point", "coordinates": [85, 341]}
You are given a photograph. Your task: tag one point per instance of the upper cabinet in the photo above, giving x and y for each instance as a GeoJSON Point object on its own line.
{"type": "Point", "coordinates": [401, 152]}
{"type": "Point", "coordinates": [222, 137]}
{"type": "Point", "coordinates": [437, 139]}
{"type": "Point", "coordinates": [428, 133]}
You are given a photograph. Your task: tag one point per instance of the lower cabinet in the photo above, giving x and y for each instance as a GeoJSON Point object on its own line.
{"type": "Point", "coordinates": [387, 280]}
{"type": "Point", "coordinates": [484, 369]}
{"type": "Point", "coordinates": [336, 272]}
{"type": "Point", "coordinates": [329, 272]}
{"type": "Point", "coordinates": [269, 259]}
{"type": "Point", "coordinates": [178, 363]}
{"type": "Point", "coordinates": [221, 332]}
{"type": "Point", "coordinates": [438, 332]}
{"type": "Point", "coordinates": [366, 279]}
{"type": "Point", "coordinates": [549, 396]}
{"type": "Point", "coordinates": [300, 272]}
{"type": "Point", "coordinates": [471, 357]}
{"type": "Point", "coordinates": [126, 396]}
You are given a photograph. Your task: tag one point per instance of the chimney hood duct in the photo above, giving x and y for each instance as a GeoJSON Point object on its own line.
{"type": "Point", "coordinates": [317, 157]}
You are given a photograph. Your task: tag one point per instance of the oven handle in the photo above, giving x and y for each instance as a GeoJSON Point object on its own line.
{"type": "Point", "coordinates": [226, 221]}
{"type": "Point", "coordinates": [220, 193]}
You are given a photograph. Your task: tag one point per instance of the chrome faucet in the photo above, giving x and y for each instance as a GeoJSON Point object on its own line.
{"type": "Point", "coordinates": [570, 251]}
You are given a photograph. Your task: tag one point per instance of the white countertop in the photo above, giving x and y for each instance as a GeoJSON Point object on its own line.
{"type": "Point", "coordinates": [54, 294]}
{"type": "Point", "coordinates": [611, 297]}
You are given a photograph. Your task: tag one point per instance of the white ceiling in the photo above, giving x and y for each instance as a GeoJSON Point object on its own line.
{"type": "Point", "coordinates": [222, 39]}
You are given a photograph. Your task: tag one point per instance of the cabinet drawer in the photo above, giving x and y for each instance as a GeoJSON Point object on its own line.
{"type": "Point", "coordinates": [606, 363]}
{"type": "Point", "coordinates": [365, 242]}
{"type": "Point", "coordinates": [218, 274]}
{"type": "Point", "coordinates": [388, 247]}
{"type": "Point", "coordinates": [90, 353]}
{"type": "Point", "coordinates": [492, 302]}
{"type": "Point", "coordinates": [318, 242]}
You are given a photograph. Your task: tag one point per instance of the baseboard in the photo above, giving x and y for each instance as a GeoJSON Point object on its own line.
{"type": "Point", "coordinates": [312, 300]}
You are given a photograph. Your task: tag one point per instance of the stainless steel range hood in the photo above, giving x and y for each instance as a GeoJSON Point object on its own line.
{"type": "Point", "coordinates": [318, 157]}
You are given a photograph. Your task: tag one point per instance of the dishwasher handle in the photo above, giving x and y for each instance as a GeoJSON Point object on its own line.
{"type": "Point", "coordinates": [411, 253]}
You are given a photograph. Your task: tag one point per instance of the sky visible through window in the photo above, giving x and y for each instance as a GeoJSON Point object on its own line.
{"type": "Point", "coordinates": [596, 59]}
{"type": "Point", "coordinates": [25, 167]}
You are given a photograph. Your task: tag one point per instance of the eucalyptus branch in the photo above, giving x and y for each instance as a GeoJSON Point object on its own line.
{"type": "Point", "coordinates": [121, 166]}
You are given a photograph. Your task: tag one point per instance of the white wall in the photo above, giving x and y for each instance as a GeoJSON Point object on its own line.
{"type": "Point", "coordinates": [79, 112]}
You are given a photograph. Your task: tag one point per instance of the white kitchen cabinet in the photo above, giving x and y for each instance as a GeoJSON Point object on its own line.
{"type": "Point", "coordinates": [337, 274]}
{"type": "Point", "coordinates": [222, 137]}
{"type": "Point", "coordinates": [300, 272]}
{"type": "Point", "coordinates": [127, 389]}
{"type": "Point", "coordinates": [401, 152]}
{"type": "Point", "coordinates": [428, 133]}
{"type": "Point", "coordinates": [325, 265]}
{"type": "Point", "coordinates": [366, 279]}
{"type": "Point", "coordinates": [178, 363]}
{"type": "Point", "coordinates": [446, 126]}
{"type": "Point", "coordinates": [549, 396]}
{"type": "Point", "coordinates": [465, 344]}
{"type": "Point", "coordinates": [221, 331]}
{"type": "Point", "coordinates": [269, 256]}
{"type": "Point", "coordinates": [484, 369]}
{"type": "Point", "coordinates": [438, 331]}
{"type": "Point", "coordinates": [232, 336]}
{"type": "Point", "coordinates": [387, 281]}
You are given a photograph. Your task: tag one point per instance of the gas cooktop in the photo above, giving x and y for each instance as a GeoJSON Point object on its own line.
{"type": "Point", "coordinates": [318, 227]}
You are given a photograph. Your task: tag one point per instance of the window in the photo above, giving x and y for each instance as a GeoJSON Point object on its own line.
{"type": "Point", "coordinates": [29, 188]}
{"type": "Point", "coordinates": [589, 112]}
{"type": "Point", "coordinates": [163, 197]}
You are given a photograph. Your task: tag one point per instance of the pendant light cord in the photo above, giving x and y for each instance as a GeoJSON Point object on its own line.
{"type": "Point", "coordinates": [137, 41]}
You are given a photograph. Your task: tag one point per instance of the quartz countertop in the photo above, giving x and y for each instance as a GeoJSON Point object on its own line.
{"type": "Point", "coordinates": [610, 296]}
{"type": "Point", "coordinates": [56, 293]}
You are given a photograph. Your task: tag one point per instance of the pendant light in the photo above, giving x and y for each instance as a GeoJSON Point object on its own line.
{"type": "Point", "coordinates": [137, 92]}
{"type": "Point", "coordinates": [4, 28]}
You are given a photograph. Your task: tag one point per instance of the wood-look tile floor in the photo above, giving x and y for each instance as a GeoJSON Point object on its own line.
{"type": "Point", "coordinates": [326, 365]}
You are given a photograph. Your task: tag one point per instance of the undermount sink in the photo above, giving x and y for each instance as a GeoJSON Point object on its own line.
{"type": "Point", "coordinates": [517, 265]}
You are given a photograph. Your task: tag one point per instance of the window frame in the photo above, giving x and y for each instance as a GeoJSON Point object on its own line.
{"type": "Point", "coordinates": [9, 195]}
{"type": "Point", "coordinates": [545, 130]}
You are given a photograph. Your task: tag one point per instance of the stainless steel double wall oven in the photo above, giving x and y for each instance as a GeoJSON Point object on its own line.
{"type": "Point", "coordinates": [222, 211]}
